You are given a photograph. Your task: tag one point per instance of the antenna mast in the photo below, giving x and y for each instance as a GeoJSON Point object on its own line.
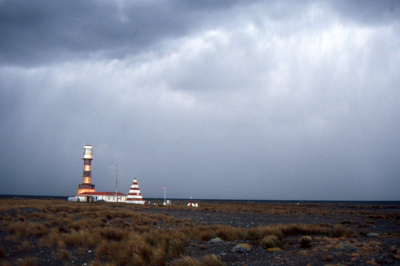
{"type": "Point", "coordinates": [116, 182]}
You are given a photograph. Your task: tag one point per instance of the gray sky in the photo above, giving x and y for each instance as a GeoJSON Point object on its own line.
{"type": "Point", "coordinates": [275, 100]}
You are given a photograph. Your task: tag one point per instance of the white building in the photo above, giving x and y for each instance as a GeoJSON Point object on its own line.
{"type": "Point", "coordinates": [99, 196]}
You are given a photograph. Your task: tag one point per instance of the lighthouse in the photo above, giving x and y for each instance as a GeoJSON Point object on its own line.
{"type": "Point", "coordinates": [87, 158]}
{"type": "Point", "coordinates": [86, 191]}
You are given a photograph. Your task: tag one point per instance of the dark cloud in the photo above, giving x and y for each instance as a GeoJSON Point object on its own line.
{"type": "Point", "coordinates": [246, 100]}
{"type": "Point", "coordinates": [368, 12]}
{"type": "Point", "coordinates": [40, 32]}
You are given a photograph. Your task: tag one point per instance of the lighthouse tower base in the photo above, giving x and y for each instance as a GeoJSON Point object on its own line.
{"type": "Point", "coordinates": [82, 188]}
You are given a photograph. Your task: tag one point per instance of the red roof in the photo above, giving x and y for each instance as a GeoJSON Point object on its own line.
{"type": "Point", "coordinates": [100, 194]}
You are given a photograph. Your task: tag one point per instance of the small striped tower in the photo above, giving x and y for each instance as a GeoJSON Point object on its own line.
{"type": "Point", "coordinates": [134, 195]}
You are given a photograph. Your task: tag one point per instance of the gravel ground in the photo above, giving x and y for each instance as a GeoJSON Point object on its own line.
{"type": "Point", "coordinates": [383, 248]}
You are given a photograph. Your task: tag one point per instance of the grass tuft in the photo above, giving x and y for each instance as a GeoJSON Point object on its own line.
{"type": "Point", "coordinates": [25, 246]}
{"type": "Point", "coordinates": [271, 241]}
{"type": "Point", "coordinates": [208, 260]}
{"type": "Point", "coordinates": [305, 241]}
{"type": "Point", "coordinates": [28, 261]}
{"type": "Point", "coordinates": [129, 236]}
{"type": "Point", "coordinates": [211, 260]}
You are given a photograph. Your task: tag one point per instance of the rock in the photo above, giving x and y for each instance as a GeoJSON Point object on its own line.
{"type": "Point", "coordinates": [347, 246]}
{"type": "Point", "coordinates": [216, 240]}
{"type": "Point", "coordinates": [372, 235]}
{"type": "Point", "coordinates": [242, 248]}
{"type": "Point", "coordinates": [383, 259]}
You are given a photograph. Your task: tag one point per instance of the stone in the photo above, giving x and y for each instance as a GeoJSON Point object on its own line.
{"type": "Point", "coordinates": [372, 235]}
{"type": "Point", "coordinates": [216, 240]}
{"type": "Point", "coordinates": [242, 248]}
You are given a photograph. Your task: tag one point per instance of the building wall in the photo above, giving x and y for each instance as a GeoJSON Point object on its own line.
{"type": "Point", "coordinates": [110, 198]}
{"type": "Point", "coordinates": [95, 198]}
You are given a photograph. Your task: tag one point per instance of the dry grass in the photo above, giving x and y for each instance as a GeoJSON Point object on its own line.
{"type": "Point", "coordinates": [122, 235]}
{"type": "Point", "coordinates": [68, 208]}
{"type": "Point", "coordinates": [25, 246]}
{"type": "Point", "coordinates": [209, 260]}
{"type": "Point", "coordinates": [2, 252]}
{"type": "Point", "coordinates": [328, 258]}
{"type": "Point", "coordinates": [305, 241]}
{"type": "Point", "coordinates": [27, 262]}
{"type": "Point", "coordinates": [24, 229]}
{"type": "Point", "coordinates": [271, 241]}
{"type": "Point", "coordinates": [63, 254]}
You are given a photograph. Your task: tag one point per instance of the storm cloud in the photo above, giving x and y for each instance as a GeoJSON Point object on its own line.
{"type": "Point", "coordinates": [274, 100]}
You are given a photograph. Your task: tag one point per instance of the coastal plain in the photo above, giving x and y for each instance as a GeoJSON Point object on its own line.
{"type": "Point", "coordinates": [57, 232]}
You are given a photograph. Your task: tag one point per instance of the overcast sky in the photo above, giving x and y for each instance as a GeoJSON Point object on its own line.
{"type": "Point", "coordinates": [267, 100]}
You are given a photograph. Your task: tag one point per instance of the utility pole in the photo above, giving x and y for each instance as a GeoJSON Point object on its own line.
{"type": "Point", "coordinates": [165, 195]}
{"type": "Point", "coordinates": [116, 182]}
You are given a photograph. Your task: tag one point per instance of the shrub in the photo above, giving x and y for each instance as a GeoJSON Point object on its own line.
{"type": "Point", "coordinates": [63, 254]}
{"type": "Point", "coordinates": [52, 239]}
{"type": "Point", "coordinates": [208, 260]}
{"type": "Point", "coordinates": [143, 251]}
{"type": "Point", "coordinates": [211, 260]}
{"type": "Point", "coordinates": [158, 257]}
{"type": "Point", "coordinates": [274, 249]}
{"type": "Point", "coordinates": [271, 241]}
{"type": "Point", "coordinates": [137, 249]}
{"type": "Point", "coordinates": [229, 233]}
{"type": "Point", "coordinates": [206, 235]}
{"type": "Point", "coordinates": [303, 229]}
{"type": "Point", "coordinates": [328, 258]}
{"type": "Point", "coordinates": [18, 228]}
{"type": "Point", "coordinates": [185, 261]}
{"type": "Point", "coordinates": [112, 233]}
{"type": "Point", "coordinates": [61, 244]}
{"type": "Point", "coordinates": [305, 241]}
{"type": "Point", "coordinates": [13, 238]}
{"type": "Point", "coordinates": [2, 252]}
{"type": "Point", "coordinates": [138, 261]}
{"type": "Point", "coordinates": [252, 234]}
{"type": "Point", "coordinates": [27, 262]}
{"type": "Point", "coordinates": [105, 249]}
{"type": "Point", "coordinates": [36, 229]}
{"type": "Point", "coordinates": [176, 247]}
{"type": "Point", "coordinates": [348, 222]}
{"type": "Point", "coordinates": [271, 230]}
{"type": "Point", "coordinates": [25, 246]}
{"type": "Point", "coordinates": [339, 230]}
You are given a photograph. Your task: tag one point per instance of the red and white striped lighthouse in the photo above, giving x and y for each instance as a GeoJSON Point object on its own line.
{"type": "Point", "coordinates": [134, 195]}
{"type": "Point", "coordinates": [87, 185]}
